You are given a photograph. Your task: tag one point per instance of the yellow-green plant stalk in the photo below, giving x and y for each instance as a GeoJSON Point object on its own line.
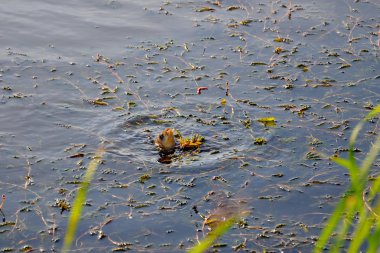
{"type": "Point", "coordinates": [220, 230]}
{"type": "Point", "coordinates": [76, 210]}
{"type": "Point", "coordinates": [366, 230]}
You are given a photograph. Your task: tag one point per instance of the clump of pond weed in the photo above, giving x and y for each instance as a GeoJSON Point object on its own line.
{"type": "Point", "coordinates": [190, 142]}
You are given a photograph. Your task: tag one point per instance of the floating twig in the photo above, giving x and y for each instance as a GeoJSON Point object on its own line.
{"type": "Point", "coordinates": [199, 90]}
{"type": "Point", "coordinates": [1, 205]}
{"type": "Point", "coordinates": [290, 10]}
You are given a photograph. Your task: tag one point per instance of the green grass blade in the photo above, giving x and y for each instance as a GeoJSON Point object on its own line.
{"type": "Point", "coordinates": [350, 166]}
{"type": "Point", "coordinates": [374, 241]}
{"type": "Point", "coordinates": [373, 112]}
{"type": "Point", "coordinates": [355, 133]}
{"type": "Point", "coordinates": [374, 238]}
{"type": "Point", "coordinates": [331, 224]}
{"type": "Point", "coordinates": [362, 231]}
{"type": "Point", "coordinates": [353, 203]}
{"type": "Point", "coordinates": [369, 159]}
{"type": "Point", "coordinates": [350, 209]}
{"type": "Point", "coordinates": [80, 198]}
{"type": "Point", "coordinates": [213, 236]}
{"type": "Point", "coordinates": [365, 222]}
{"type": "Point", "coordinates": [375, 188]}
{"type": "Point", "coordinates": [358, 127]}
{"type": "Point", "coordinates": [343, 162]}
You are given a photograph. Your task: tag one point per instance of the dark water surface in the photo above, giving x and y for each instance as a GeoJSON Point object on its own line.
{"type": "Point", "coordinates": [76, 74]}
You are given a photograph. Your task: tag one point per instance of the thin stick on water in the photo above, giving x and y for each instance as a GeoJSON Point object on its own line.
{"type": "Point", "coordinates": [1, 206]}
{"type": "Point", "coordinates": [290, 10]}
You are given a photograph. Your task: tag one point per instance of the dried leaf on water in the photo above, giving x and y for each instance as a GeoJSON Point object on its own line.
{"type": "Point", "coordinates": [26, 248]}
{"type": "Point", "coordinates": [203, 9]}
{"type": "Point", "coordinates": [118, 108]}
{"type": "Point", "coordinates": [246, 123]}
{"type": "Point", "coordinates": [62, 204]}
{"type": "Point", "coordinates": [258, 63]}
{"type": "Point", "coordinates": [260, 141]}
{"type": "Point", "coordinates": [316, 85]}
{"type": "Point", "coordinates": [283, 40]}
{"type": "Point", "coordinates": [301, 111]}
{"type": "Point", "coordinates": [344, 66]}
{"type": "Point", "coordinates": [77, 155]}
{"type": "Point", "coordinates": [98, 101]}
{"type": "Point", "coordinates": [304, 67]}
{"type": "Point", "coordinates": [288, 106]}
{"type": "Point", "coordinates": [246, 21]}
{"type": "Point", "coordinates": [131, 104]}
{"type": "Point", "coordinates": [144, 178]}
{"type": "Point", "coordinates": [278, 50]}
{"type": "Point", "coordinates": [246, 101]}
{"type": "Point", "coordinates": [314, 141]}
{"type": "Point", "coordinates": [232, 8]}
{"type": "Point", "coordinates": [313, 154]}
{"type": "Point", "coordinates": [186, 47]}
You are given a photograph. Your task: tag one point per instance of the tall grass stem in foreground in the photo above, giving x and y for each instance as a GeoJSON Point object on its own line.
{"type": "Point", "coordinates": [220, 230]}
{"type": "Point", "coordinates": [80, 198]}
{"type": "Point", "coordinates": [359, 209]}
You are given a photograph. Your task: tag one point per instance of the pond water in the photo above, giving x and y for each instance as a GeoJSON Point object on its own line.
{"type": "Point", "coordinates": [76, 75]}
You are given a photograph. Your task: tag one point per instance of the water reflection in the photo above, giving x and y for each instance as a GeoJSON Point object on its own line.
{"type": "Point", "coordinates": [165, 158]}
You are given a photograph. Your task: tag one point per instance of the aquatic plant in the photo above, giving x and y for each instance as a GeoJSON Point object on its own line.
{"type": "Point", "coordinates": [191, 142]}
{"type": "Point", "coordinates": [357, 215]}
{"type": "Point", "coordinates": [80, 198]}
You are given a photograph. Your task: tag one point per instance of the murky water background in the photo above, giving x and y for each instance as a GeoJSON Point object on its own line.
{"type": "Point", "coordinates": [76, 74]}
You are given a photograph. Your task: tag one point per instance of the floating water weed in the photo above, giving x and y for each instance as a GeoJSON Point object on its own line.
{"type": "Point", "coordinates": [191, 142]}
